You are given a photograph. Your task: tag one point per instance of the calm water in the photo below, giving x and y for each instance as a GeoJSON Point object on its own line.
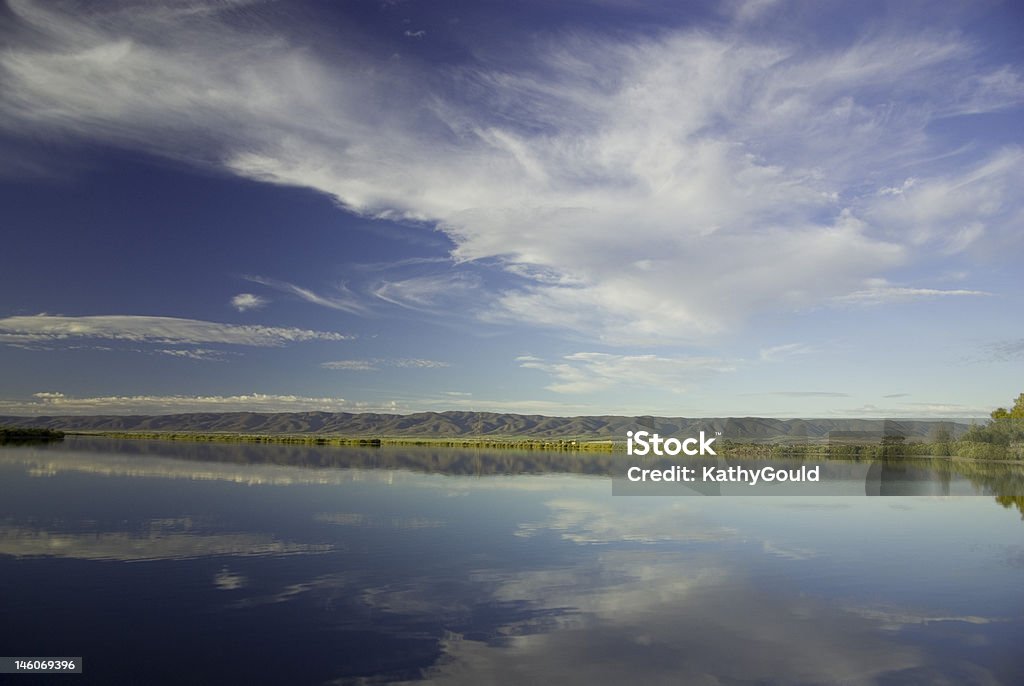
{"type": "Point", "coordinates": [191, 564]}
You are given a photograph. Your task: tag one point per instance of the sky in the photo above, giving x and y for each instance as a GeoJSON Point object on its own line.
{"type": "Point", "coordinates": [774, 208]}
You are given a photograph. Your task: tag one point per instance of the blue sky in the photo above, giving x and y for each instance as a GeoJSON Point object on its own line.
{"type": "Point", "coordinates": [748, 208]}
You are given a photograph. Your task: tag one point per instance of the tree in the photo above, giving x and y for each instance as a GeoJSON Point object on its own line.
{"type": "Point", "coordinates": [1016, 412]}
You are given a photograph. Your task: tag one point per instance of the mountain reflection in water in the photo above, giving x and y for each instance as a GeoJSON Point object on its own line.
{"type": "Point", "coordinates": [202, 563]}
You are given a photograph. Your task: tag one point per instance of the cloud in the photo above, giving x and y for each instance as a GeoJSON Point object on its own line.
{"type": "Point", "coordinates": [359, 519]}
{"type": "Point", "coordinates": [375, 364]}
{"type": "Point", "coordinates": [193, 353]}
{"type": "Point", "coordinates": [750, 10]}
{"type": "Point", "coordinates": [416, 363]}
{"type": "Point", "coordinates": [954, 210]}
{"type": "Point", "coordinates": [586, 372]}
{"type": "Point", "coordinates": [810, 394]}
{"type": "Point", "coordinates": [884, 294]}
{"type": "Point", "coordinates": [43, 328]}
{"type": "Point", "coordinates": [780, 352]}
{"type": "Point", "coordinates": [247, 301]}
{"type": "Point", "coordinates": [351, 365]}
{"type": "Point", "coordinates": [344, 300]}
{"type": "Point", "coordinates": [1005, 351]}
{"type": "Point", "coordinates": [58, 403]}
{"type": "Point", "coordinates": [430, 292]}
{"type": "Point", "coordinates": [923, 410]}
{"type": "Point", "coordinates": [643, 189]}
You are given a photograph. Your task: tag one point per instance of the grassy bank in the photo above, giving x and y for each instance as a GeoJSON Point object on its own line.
{"type": "Point", "coordinates": [970, 449]}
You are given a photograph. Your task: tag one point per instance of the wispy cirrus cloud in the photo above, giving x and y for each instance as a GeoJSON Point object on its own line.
{"type": "Point", "coordinates": [587, 372]}
{"type": "Point", "coordinates": [55, 402]}
{"type": "Point", "coordinates": [916, 410]}
{"type": "Point", "coordinates": [352, 365]}
{"type": "Point", "coordinates": [780, 352]}
{"type": "Point", "coordinates": [428, 292]}
{"type": "Point", "coordinates": [342, 299]}
{"type": "Point", "coordinates": [642, 189]}
{"type": "Point", "coordinates": [193, 353]}
{"type": "Point", "coordinates": [879, 292]}
{"type": "Point", "coordinates": [45, 328]}
{"type": "Point", "coordinates": [377, 363]}
{"type": "Point", "coordinates": [1004, 351]}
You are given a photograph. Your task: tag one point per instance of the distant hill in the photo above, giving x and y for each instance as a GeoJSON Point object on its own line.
{"type": "Point", "coordinates": [489, 424]}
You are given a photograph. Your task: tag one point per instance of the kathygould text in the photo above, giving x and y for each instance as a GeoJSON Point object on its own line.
{"type": "Point", "coordinates": [714, 474]}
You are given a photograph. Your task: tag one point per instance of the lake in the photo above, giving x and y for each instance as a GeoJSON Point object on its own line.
{"type": "Point", "coordinates": [175, 563]}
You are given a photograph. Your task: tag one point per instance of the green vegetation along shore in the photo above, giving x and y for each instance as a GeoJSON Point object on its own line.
{"type": "Point", "coordinates": [981, 443]}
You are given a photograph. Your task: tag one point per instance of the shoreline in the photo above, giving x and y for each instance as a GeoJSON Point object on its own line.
{"type": "Point", "coordinates": [845, 452]}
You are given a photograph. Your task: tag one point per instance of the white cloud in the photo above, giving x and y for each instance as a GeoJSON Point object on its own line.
{"type": "Point", "coordinates": [351, 365]}
{"type": "Point", "coordinates": [586, 372]}
{"type": "Point", "coordinates": [952, 211]}
{"type": "Point", "coordinates": [924, 410]}
{"type": "Point", "coordinates": [780, 352]}
{"type": "Point", "coordinates": [750, 10]}
{"type": "Point", "coordinates": [42, 328]}
{"type": "Point", "coordinates": [810, 394]}
{"type": "Point", "coordinates": [247, 301]}
{"type": "Point", "coordinates": [417, 363]}
{"type": "Point", "coordinates": [649, 191]}
{"type": "Point", "coordinates": [429, 292]}
{"type": "Point", "coordinates": [882, 294]}
{"type": "Point", "coordinates": [193, 353]}
{"type": "Point", "coordinates": [344, 300]}
{"type": "Point", "coordinates": [375, 364]}
{"type": "Point", "coordinates": [58, 403]}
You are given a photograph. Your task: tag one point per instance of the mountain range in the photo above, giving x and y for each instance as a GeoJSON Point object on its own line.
{"type": "Point", "coordinates": [459, 424]}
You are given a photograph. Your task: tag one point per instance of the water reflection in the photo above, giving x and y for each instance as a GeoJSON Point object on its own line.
{"type": "Point", "coordinates": [652, 617]}
{"type": "Point", "coordinates": [270, 573]}
{"type": "Point", "coordinates": [280, 464]}
{"type": "Point", "coordinates": [155, 542]}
